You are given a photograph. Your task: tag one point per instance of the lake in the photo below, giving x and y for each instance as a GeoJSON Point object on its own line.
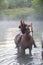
{"type": "Point", "coordinates": [8, 51]}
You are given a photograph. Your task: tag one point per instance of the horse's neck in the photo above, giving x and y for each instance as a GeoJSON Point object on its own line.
{"type": "Point", "coordinates": [26, 35]}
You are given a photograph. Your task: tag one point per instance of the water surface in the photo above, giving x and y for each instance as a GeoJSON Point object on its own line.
{"type": "Point", "coordinates": [8, 52]}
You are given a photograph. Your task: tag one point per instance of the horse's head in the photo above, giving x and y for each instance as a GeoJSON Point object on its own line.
{"type": "Point", "coordinates": [27, 30]}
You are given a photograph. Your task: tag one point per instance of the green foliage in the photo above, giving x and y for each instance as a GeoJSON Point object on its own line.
{"type": "Point", "coordinates": [17, 13]}
{"type": "Point", "coordinates": [3, 4]}
{"type": "Point", "coordinates": [11, 4]}
{"type": "Point", "coordinates": [15, 3]}
{"type": "Point", "coordinates": [38, 7]}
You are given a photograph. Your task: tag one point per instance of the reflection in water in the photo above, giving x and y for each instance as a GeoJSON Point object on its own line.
{"type": "Point", "coordinates": [25, 60]}
{"type": "Point", "coordinates": [8, 52]}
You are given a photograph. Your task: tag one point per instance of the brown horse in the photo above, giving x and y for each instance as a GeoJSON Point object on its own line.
{"type": "Point", "coordinates": [26, 42]}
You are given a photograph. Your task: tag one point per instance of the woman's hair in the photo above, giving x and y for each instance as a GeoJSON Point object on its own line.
{"type": "Point", "coordinates": [21, 22]}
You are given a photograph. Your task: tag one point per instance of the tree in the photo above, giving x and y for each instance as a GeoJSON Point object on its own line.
{"type": "Point", "coordinates": [3, 4]}
{"type": "Point", "coordinates": [38, 7]}
{"type": "Point", "coordinates": [15, 3]}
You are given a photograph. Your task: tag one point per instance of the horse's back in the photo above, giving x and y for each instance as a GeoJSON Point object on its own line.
{"type": "Point", "coordinates": [17, 38]}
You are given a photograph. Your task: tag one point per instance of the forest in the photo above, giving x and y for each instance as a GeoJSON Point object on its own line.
{"type": "Point", "coordinates": [21, 8]}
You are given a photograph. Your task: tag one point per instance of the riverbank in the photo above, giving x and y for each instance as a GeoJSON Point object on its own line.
{"type": "Point", "coordinates": [17, 13]}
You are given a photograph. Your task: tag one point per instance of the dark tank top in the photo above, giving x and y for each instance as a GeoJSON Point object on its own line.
{"type": "Point", "coordinates": [24, 29]}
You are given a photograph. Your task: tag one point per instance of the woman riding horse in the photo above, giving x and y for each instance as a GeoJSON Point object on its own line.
{"type": "Point", "coordinates": [26, 41]}
{"type": "Point", "coordinates": [23, 29]}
